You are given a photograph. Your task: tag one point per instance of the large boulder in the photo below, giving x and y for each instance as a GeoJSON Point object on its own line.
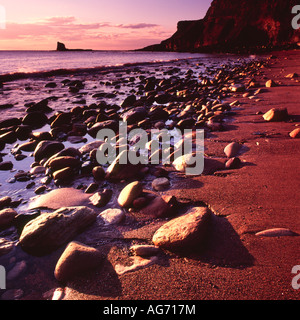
{"type": "Point", "coordinates": [185, 232]}
{"type": "Point", "coordinates": [51, 230]}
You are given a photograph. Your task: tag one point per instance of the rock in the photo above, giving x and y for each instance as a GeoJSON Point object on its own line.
{"type": "Point", "coordinates": [112, 216]}
{"type": "Point", "coordinates": [129, 193]}
{"type": "Point", "coordinates": [6, 165]}
{"type": "Point", "coordinates": [129, 101]}
{"type": "Point", "coordinates": [134, 115]}
{"type": "Point", "coordinates": [28, 146]}
{"type": "Point", "coordinates": [120, 171]}
{"type": "Point", "coordinates": [61, 120]}
{"type": "Point", "coordinates": [295, 133]}
{"type": "Point", "coordinates": [233, 163]}
{"type": "Point", "coordinates": [7, 217]}
{"type": "Point", "coordinates": [51, 230]}
{"type": "Point", "coordinates": [98, 173]}
{"type": "Point", "coordinates": [237, 88]}
{"type": "Point", "coordinates": [292, 75]}
{"type": "Point", "coordinates": [187, 164]}
{"type": "Point", "coordinates": [63, 197]}
{"type": "Point", "coordinates": [8, 137]}
{"type": "Point", "coordinates": [87, 148]}
{"type": "Point", "coordinates": [144, 250]}
{"type": "Point", "coordinates": [157, 208]}
{"type": "Point", "coordinates": [92, 187]}
{"type": "Point", "coordinates": [35, 120]}
{"type": "Point", "coordinates": [46, 149]}
{"type": "Point", "coordinates": [186, 232]}
{"type": "Point", "coordinates": [271, 83]}
{"type": "Point", "coordinates": [77, 259]}
{"type": "Point", "coordinates": [101, 199]}
{"type": "Point", "coordinates": [59, 163]}
{"type": "Point", "coordinates": [276, 232]}
{"type": "Point", "coordinates": [276, 115]}
{"type": "Point", "coordinates": [65, 174]}
{"type": "Point", "coordinates": [5, 202]}
{"type": "Point", "coordinates": [160, 184]}
{"type": "Point", "coordinates": [108, 124]}
{"type": "Point", "coordinates": [38, 170]}
{"type": "Point", "coordinates": [232, 149]}
{"type": "Point", "coordinates": [40, 189]}
{"type": "Point", "coordinates": [23, 218]}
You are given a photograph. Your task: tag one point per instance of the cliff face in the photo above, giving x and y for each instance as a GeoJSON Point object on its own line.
{"type": "Point", "coordinates": [231, 25]}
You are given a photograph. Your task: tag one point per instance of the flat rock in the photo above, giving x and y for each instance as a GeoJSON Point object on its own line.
{"type": "Point", "coordinates": [185, 232]}
{"type": "Point", "coordinates": [77, 258]}
{"type": "Point", "coordinates": [276, 232]}
{"type": "Point", "coordinates": [49, 231]}
{"type": "Point", "coordinates": [64, 197]}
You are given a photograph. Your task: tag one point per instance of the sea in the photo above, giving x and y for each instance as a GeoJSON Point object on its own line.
{"type": "Point", "coordinates": [28, 62]}
{"type": "Point", "coordinates": [42, 61]}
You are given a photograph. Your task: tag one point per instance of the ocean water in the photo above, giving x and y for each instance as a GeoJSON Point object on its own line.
{"type": "Point", "coordinates": [42, 61]}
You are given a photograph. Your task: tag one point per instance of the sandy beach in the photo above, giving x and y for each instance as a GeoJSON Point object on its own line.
{"type": "Point", "coordinates": [242, 257]}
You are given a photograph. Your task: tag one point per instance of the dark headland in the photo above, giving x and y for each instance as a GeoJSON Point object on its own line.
{"type": "Point", "coordinates": [236, 26]}
{"type": "Point", "coordinates": [61, 47]}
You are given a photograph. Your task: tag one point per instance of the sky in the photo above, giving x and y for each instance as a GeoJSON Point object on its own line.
{"type": "Point", "coordinates": [92, 24]}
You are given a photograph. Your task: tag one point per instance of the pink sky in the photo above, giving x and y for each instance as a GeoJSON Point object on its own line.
{"type": "Point", "coordinates": [93, 24]}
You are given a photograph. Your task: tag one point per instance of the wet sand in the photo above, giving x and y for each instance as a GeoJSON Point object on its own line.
{"type": "Point", "coordinates": [235, 263]}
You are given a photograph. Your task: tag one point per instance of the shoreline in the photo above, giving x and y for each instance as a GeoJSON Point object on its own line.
{"type": "Point", "coordinates": [244, 202]}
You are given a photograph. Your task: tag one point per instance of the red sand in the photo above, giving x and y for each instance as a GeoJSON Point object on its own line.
{"type": "Point", "coordinates": [263, 194]}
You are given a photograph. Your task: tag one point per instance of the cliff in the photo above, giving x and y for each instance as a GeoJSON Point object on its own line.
{"type": "Point", "coordinates": [236, 25]}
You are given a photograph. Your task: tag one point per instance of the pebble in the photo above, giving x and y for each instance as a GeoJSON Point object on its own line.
{"type": "Point", "coordinates": [5, 202]}
{"type": "Point", "coordinates": [101, 199]}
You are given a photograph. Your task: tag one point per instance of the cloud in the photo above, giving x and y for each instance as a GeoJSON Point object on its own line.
{"type": "Point", "coordinates": [51, 29]}
{"type": "Point", "coordinates": [137, 26]}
